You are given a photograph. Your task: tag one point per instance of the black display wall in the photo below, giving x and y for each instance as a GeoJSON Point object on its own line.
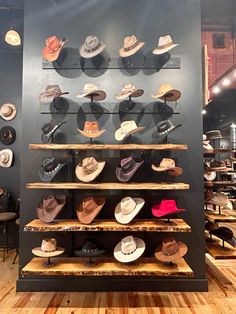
{"type": "Point", "coordinates": [111, 21]}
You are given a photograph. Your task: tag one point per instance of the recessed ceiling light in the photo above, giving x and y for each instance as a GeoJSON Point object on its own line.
{"type": "Point", "coordinates": [226, 82]}
{"type": "Point", "coordinates": [204, 111]}
{"type": "Point", "coordinates": [216, 90]}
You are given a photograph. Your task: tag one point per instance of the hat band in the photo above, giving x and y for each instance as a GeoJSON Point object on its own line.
{"type": "Point", "coordinates": [132, 46]}
{"type": "Point", "coordinates": [91, 131]}
{"type": "Point", "coordinates": [92, 49]}
{"type": "Point", "coordinates": [170, 254]}
{"type": "Point", "coordinates": [128, 169]}
{"type": "Point", "coordinates": [89, 171]}
{"type": "Point", "coordinates": [166, 131]}
{"type": "Point", "coordinates": [128, 253]}
{"type": "Point", "coordinates": [90, 250]}
{"type": "Point", "coordinates": [165, 45]}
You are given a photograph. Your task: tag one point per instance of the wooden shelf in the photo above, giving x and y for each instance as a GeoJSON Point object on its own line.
{"type": "Point", "coordinates": [216, 250]}
{"type": "Point", "coordinates": [109, 146]}
{"type": "Point", "coordinates": [106, 267]}
{"type": "Point", "coordinates": [175, 225]}
{"type": "Point", "coordinates": [223, 217]}
{"type": "Point", "coordinates": [223, 183]}
{"type": "Point", "coordinates": [108, 186]}
{"type": "Point", "coordinates": [218, 151]}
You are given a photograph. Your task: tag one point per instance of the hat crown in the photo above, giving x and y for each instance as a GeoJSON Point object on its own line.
{"type": "Point", "coordinates": [128, 126]}
{"type": "Point", "coordinates": [50, 164]}
{"type": "Point", "coordinates": [170, 247]}
{"type": "Point", "coordinates": [89, 165]}
{"type": "Point", "coordinates": [164, 88]}
{"type": "Point", "coordinates": [89, 204]}
{"type": "Point", "coordinates": [49, 203]}
{"type": "Point", "coordinates": [168, 205]}
{"type": "Point", "coordinates": [129, 41]}
{"type": "Point", "coordinates": [91, 126]}
{"type": "Point", "coordinates": [167, 163]}
{"type": "Point", "coordinates": [49, 245]}
{"type": "Point", "coordinates": [128, 245]}
{"type": "Point", "coordinates": [127, 164]}
{"type": "Point", "coordinates": [220, 198]}
{"type": "Point", "coordinates": [90, 87]}
{"type": "Point", "coordinates": [89, 246]}
{"type": "Point", "coordinates": [4, 157]}
{"type": "Point", "coordinates": [164, 40]}
{"type": "Point", "coordinates": [164, 125]}
{"type": "Point", "coordinates": [127, 205]}
{"type": "Point", "coordinates": [6, 110]}
{"type": "Point", "coordinates": [129, 87]}
{"type": "Point", "coordinates": [53, 89]}
{"type": "Point", "coordinates": [53, 43]}
{"type": "Point", "coordinates": [91, 42]}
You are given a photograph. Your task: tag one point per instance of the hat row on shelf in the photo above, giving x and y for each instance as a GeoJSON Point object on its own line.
{"type": "Point", "coordinates": [89, 169]}
{"type": "Point", "coordinates": [93, 47]}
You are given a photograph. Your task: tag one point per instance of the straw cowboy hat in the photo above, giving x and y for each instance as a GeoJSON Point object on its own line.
{"type": "Point", "coordinates": [128, 167]}
{"type": "Point", "coordinates": [91, 129]}
{"type": "Point", "coordinates": [168, 164]}
{"type": "Point", "coordinates": [127, 128]}
{"type": "Point", "coordinates": [89, 169]}
{"type": "Point", "coordinates": [129, 249]}
{"type": "Point", "coordinates": [170, 250]}
{"type": "Point", "coordinates": [167, 92]}
{"type": "Point", "coordinates": [92, 90]}
{"type": "Point", "coordinates": [89, 209]}
{"type": "Point", "coordinates": [48, 248]}
{"type": "Point", "coordinates": [50, 206]}
{"type": "Point", "coordinates": [91, 47]}
{"type": "Point", "coordinates": [7, 135]}
{"type": "Point", "coordinates": [53, 48]}
{"type": "Point", "coordinates": [130, 46]}
{"type": "Point", "coordinates": [6, 158]}
{"type": "Point", "coordinates": [165, 44]}
{"type": "Point", "coordinates": [128, 208]}
{"type": "Point", "coordinates": [129, 90]}
{"type": "Point", "coordinates": [49, 168]}
{"type": "Point", "coordinates": [8, 111]}
{"type": "Point", "coordinates": [167, 207]}
{"type": "Point", "coordinates": [51, 92]}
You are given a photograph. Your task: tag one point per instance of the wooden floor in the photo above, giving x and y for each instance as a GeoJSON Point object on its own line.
{"type": "Point", "coordinates": [221, 297]}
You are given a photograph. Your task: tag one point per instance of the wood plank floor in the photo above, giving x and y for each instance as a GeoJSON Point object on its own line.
{"type": "Point", "coordinates": [221, 297]}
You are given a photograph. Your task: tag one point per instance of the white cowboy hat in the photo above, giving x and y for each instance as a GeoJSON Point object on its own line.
{"type": "Point", "coordinates": [128, 208]}
{"type": "Point", "coordinates": [210, 175]}
{"type": "Point", "coordinates": [48, 248]}
{"type": "Point", "coordinates": [165, 44]}
{"type": "Point", "coordinates": [90, 90]}
{"type": "Point", "coordinates": [6, 157]}
{"type": "Point", "coordinates": [129, 249]}
{"type": "Point", "coordinates": [8, 111]}
{"type": "Point", "coordinates": [129, 90]}
{"type": "Point", "coordinates": [127, 128]}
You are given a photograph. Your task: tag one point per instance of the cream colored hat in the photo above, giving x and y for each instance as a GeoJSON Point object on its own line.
{"type": "Point", "coordinates": [48, 248]}
{"type": "Point", "coordinates": [6, 157]}
{"type": "Point", "coordinates": [129, 90]}
{"type": "Point", "coordinates": [165, 44]}
{"type": "Point", "coordinates": [167, 92]}
{"type": "Point", "coordinates": [89, 169]}
{"type": "Point", "coordinates": [128, 208]}
{"type": "Point", "coordinates": [127, 128]}
{"type": "Point", "coordinates": [91, 89]}
{"type": "Point", "coordinates": [130, 46]}
{"type": "Point", "coordinates": [8, 111]}
{"type": "Point", "coordinates": [129, 249]}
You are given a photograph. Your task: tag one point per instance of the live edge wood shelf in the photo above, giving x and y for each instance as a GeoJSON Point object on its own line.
{"type": "Point", "coordinates": [106, 267]}
{"type": "Point", "coordinates": [174, 225]}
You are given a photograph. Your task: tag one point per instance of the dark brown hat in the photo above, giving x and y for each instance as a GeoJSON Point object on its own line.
{"type": "Point", "coordinates": [7, 135]}
{"type": "Point", "coordinates": [127, 169]}
{"type": "Point", "coordinates": [225, 234]}
{"type": "Point", "coordinates": [213, 134]}
{"type": "Point", "coordinates": [50, 206]}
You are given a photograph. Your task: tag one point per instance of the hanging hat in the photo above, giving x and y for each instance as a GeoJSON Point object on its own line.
{"type": "Point", "coordinates": [165, 127]}
{"type": "Point", "coordinates": [91, 129]}
{"type": "Point", "coordinates": [51, 92]}
{"type": "Point", "coordinates": [210, 175]}
{"type": "Point", "coordinates": [170, 250]}
{"type": "Point", "coordinates": [89, 209]}
{"type": "Point", "coordinates": [167, 207]}
{"type": "Point", "coordinates": [7, 135]}
{"type": "Point", "coordinates": [89, 169]}
{"type": "Point", "coordinates": [92, 47]}
{"type": "Point", "coordinates": [130, 46]}
{"type": "Point", "coordinates": [89, 248]}
{"type": "Point", "coordinates": [213, 135]}
{"type": "Point", "coordinates": [128, 167]}
{"type": "Point", "coordinates": [165, 44]}
{"type": "Point", "coordinates": [167, 92]}
{"type": "Point", "coordinates": [128, 208]}
{"type": "Point", "coordinates": [127, 128]}
{"type": "Point", "coordinates": [8, 111]}
{"type": "Point", "coordinates": [50, 206]}
{"type": "Point", "coordinates": [6, 157]}
{"type": "Point", "coordinates": [48, 248]}
{"type": "Point", "coordinates": [49, 168]}
{"type": "Point", "coordinates": [129, 249]}
{"type": "Point", "coordinates": [91, 89]}
{"type": "Point", "coordinates": [129, 90]}
{"type": "Point", "coordinates": [53, 48]}
{"type": "Point", "coordinates": [48, 130]}
{"type": "Point", "coordinates": [168, 164]}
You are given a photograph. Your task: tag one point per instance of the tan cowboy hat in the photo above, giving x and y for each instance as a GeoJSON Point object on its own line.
{"type": "Point", "coordinates": [52, 49]}
{"type": "Point", "coordinates": [89, 169]}
{"type": "Point", "coordinates": [167, 92]}
{"type": "Point", "coordinates": [170, 250]}
{"type": "Point", "coordinates": [50, 206]}
{"type": "Point", "coordinates": [129, 249]}
{"type": "Point", "coordinates": [127, 128]}
{"type": "Point", "coordinates": [90, 90]}
{"type": "Point", "coordinates": [129, 90]}
{"type": "Point", "coordinates": [48, 248]}
{"type": "Point", "coordinates": [91, 129]}
{"type": "Point", "coordinates": [89, 209]}
{"type": "Point", "coordinates": [91, 47]}
{"type": "Point", "coordinates": [165, 44]}
{"type": "Point", "coordinates": [6, 157]}
{"type": "Point", "coordinates": [168, 164]}
{"type": "Point", "coordinates": [8, 111]}
{"type": "Point", "coordinates": [130, 46]}
{"type": "Point", "coordinates": [128, 208]}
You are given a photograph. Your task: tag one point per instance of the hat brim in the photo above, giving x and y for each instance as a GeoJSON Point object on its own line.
{"type": "Point", "coordinates": [157, 212]}
{"type": "Point", "coordinates": [85, 218]}
{"type": "Point", "coordinates": [175, 171]}
{"type": "Point", "coordinates": [46, 137]}
{"type": "Point", "coordinates": [98, 95]}
{"type": "Point", "coordinates": [124, 54]}
{"type": "Point", "coordinates": [125, 219]}
{"type": "Point", "coordinates": [119, 136]}
{"type": "Point", "coordinates": [123, 258]}
{"type": "Point", "coordinates": [206, 142]}
{"type": "Point", "coordinates": [160, 51]}
{"type": "Point", "coordinates": [183, 249]}
{"type": "Point", "coordinates": [47, 177]}
{"type": "Point", "coordinates": [9, 163]}
{"type": "Point", "coordinates": [50, 56]}
{"type": "Point", "coordinates": [124, 177]}
{"type": "Point", "coordinates": [137, 93]}
{"type": "Point", "coordinates": [38, 252]}
{"type": "Point", "coordinates": [89, 177]}
{"type": "Point", "coordinates": [85, 54]}
{"type": "Point", "coordinates": [48, 217]}
{"type": "Point", "coordinates": [208, 148]}
{"type": "Point", "coordinates": [175, 95]}
{"type": "Point", "coordinates": [45, 98]}
{"type": "Point", "coordinates": [211, 176]}
{"type": "Point", "coordinates": [218, 233]}
{"type": "Point", "coordinates": [81, 253]}
{"type": "Point", "coordinates": [223, 168]}
{"type": "Point", "coordinates": [91, 135]}
{"type": "Point", "coordinates": [12, 115]}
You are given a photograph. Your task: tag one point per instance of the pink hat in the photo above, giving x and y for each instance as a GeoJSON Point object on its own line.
{"type": "Point", "coordinates": [167, 207]}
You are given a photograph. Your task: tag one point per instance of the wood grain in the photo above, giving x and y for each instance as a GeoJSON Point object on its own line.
{"type": "Point", "coordinates": [216, 250]}
{"type": "Point", "coordinates": [218, 151]}
{"type": "Point", "coordinates": [223, 217]}
{"type": "Point", "coordinates": [175, 225]}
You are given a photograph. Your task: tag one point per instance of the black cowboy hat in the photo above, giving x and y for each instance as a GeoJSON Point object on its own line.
{"type": "Point", "coordinates": [7, 135]}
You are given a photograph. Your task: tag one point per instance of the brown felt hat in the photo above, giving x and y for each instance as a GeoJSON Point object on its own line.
{"type": "Point", "coordinates": [170, 250]}
{"type": "Point", "coordinates": [89, 209]}
{"type": "Point", "coordinates": [50, 206]}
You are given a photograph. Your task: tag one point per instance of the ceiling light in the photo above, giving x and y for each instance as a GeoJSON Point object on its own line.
{"type": "Point", "coordinates": [216, 90]}
{"type": "Point", "coordinates": [12, 38]}
{"type": "Point", "coordinates": [226, 82]}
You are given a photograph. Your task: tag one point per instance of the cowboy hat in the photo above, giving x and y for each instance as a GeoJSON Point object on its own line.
{"type": "Point", "coordinates": [53, 48]}
{"type": "Point", "coordinates": [168, 164]}
{"type": "Point", "coordinates": [213, 134]}
{"type": "Point", "coordinates": [8, 111]}
{"type": "Point", "coordinates": [210, 175]}
{"type": "Point", "coordinates": [217, 165]}
{"type": "Point", "coordinates": [92, 90]}
{"type": "Point", "coordinates": [6, 157]}
{"type": "Point", "coordinates": [165, 127]}
{"type": "Point", "coordinates": [165, 44]}
{"type": "Point", "coordinates": [51, 92]}
{"type": "Point", "coordinates": [225, 234]}
{"type": "Point", "coordinates": [220, 199]}
{"type": "Point", "coordinates": [91, 47]}
{"type": "Point", "coordinates": [49, 168]}
{"type": "Point", "coordinates": [7, 135]}
{"type": "Point", "coordinates": [208, 148]}
{"type": "Point", "coordinates": [50, 206]}
{"type": "Point", "coordinates": [89, 209]}
{"type": "Point", "coordinates": [91, 129]}
{"type": "Point", "coordinates": [128, 167]}
{"type": "Point", "coordinates": [129, 249]}
{"type": "Point", "coordinates": [127, 128]}
{"type": "Point", "coordinates": [170, 250]}
{"type": "Point", "coordinates": [89, 169]}
{"type": "Point", "coordinates": [49, 129]}
{"type": "Point", "coordinates": [167, 207]}
{"type": "Point", "coordinates": [129, 90]}
{"type": "Point", "coordinates": [167, 92]}
{"type": "Point", "coordinates": [89, 248]}
{"type": "Point", "coordinates": [130, 46]}
{"type": "Point", "coordinates": [128, 208]}
{"type": "Point", "coordinates": [48, 248]}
